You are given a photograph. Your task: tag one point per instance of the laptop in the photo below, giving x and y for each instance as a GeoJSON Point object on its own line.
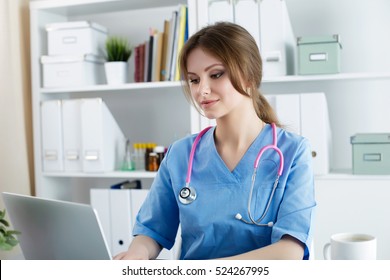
{"type": "Point", "coordinates": [56, 230]}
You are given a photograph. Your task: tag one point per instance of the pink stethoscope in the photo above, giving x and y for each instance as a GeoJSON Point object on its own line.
{"type": "Point", "coordinates": [188, 194]}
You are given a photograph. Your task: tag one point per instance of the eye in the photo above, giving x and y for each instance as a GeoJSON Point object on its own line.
{"type": "Point", "coordinates": [193, 81]}
{"type": "Point", "coordinates": [217, 75]}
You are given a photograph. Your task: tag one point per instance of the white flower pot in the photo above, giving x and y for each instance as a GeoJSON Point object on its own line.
{"type": "Point", "coordinates": [116, 72]}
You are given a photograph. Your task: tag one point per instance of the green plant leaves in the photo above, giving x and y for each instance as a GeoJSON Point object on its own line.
{"type": "Point", "coordinates": [117, 49]}
{"type": "Point", "coordinates": [7, 237]}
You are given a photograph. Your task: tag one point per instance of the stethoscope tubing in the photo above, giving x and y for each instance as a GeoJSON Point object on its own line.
{"type": "Point", "coordinates": [192, 154]}
{"type": "Point", "coordinates": [274, 147]}
{"type": "Point", "coordinates": [192, 194]}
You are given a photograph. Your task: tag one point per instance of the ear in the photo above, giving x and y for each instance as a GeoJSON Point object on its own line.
{"type": "Point", "coordinates": [248, 91]}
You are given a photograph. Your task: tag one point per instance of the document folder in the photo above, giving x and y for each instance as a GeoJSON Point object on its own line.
{"type": "Point", "coordinates": [268, 22]}
{"type": "Point", "coordinates": [277, 40]}
{"type": "Point", "coordinates": [71, 116]}
{"type": "Point", "coordinates": [102, 139]}
{"type": "Point", "coordinates": [315, 126]}
{"type": "Point", "coordinates": [288, 111]}
{"type": "Point", "coordinates": [117, 215]}
{"type": "Point", "coordinates": [247, 15]}
{"type": "Point", "coordinates": [51, 134]}
{"type": "Point", "coordinates": [307, 114]}
{"type": "Point", "coordinates": [220, 11]}
{"type": "Point", "coordinates": [117, 210]}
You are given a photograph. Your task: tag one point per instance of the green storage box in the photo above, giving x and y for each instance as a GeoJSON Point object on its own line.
{"type": "Point", "coordinates": [319, 55]}
{"type": "Point", "coordinates": [371, 153]}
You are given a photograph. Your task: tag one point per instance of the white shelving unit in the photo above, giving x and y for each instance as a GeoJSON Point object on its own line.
{"type": "Point", "coordinates": [146, 112]}
{"type": "Point", "coordinates": [159, 112]}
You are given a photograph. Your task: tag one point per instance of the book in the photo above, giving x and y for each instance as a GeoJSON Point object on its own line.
{"type": "Point", "coordinates": [170, 47]}
{"type": "Point", "coordinates": [157, 53]}
{"type": "Point", "coordinates": [149, 63]}
{"type": "Point", "coordinates": [181, 38]}
{"type": "Point", "coordinates": [137, 61]}
{"type": "Point", "coordinates": [164, 50]}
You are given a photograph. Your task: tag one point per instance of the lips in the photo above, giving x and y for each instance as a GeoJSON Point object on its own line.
{"type": "Point", "coordinates": [205, 104]}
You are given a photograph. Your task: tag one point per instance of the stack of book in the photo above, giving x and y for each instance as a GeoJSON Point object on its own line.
{"type": "Point", "coordinates": [156, 58]}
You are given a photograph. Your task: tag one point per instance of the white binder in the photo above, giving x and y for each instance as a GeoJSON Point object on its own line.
{"type": "Point", "coordinates": [71, 116]}
{"type": "Point", "coordinates": [307, 114]}
{"type": "Point", "coordinates": [220, 11]}
{"type": "Point", "coordinates": [315, 126]}
{"type": "Point", "coordinates": [121, 227]}
{"type": "Point", "coordinates": [287, 107]}
{"type": "Point", "coordinates": [267, 21]}
{"type": "Point", "coordinates": [277, 40]}
{"type": "Point", "coordinates": [102, 139]}
{"type": "Point", "coordinates": [51, 134]}
{"type": "Point", "coordinates": [101, 203]}
{"type": "Point", "coordinates": [117, 211]}
{"type": "Point", "coordinates": [247, 15]}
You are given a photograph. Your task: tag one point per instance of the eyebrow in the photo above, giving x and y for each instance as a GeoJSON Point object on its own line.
{"type": "Point", "coordinates": [208, 67]}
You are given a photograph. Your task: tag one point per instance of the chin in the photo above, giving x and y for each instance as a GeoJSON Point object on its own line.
{"type": "Point", "coordinates": [210, 116]}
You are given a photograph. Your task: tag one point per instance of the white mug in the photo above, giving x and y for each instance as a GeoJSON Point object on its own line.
{"type": "Point", "coordinates": [350, 246]}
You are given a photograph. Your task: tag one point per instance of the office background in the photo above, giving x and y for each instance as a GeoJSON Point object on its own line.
{"type": "Point", "coordinates": [361, 24]}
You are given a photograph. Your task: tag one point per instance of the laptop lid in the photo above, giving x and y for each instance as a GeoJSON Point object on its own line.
{"type": "Point", "coordinates": [56, 230]}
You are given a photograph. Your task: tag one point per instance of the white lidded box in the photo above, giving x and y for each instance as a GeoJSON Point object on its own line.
{"type": "Point", "coordinates": [72, 70]}
{"type": "Point", "coordinates": [76, 37]}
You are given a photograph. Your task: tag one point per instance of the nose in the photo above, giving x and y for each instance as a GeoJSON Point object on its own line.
{"type": "Point", "coordinates": [204, 88]}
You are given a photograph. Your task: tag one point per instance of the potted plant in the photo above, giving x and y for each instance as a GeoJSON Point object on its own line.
{"type": "Point", "coordinates": [118, 52]}
{"type": "Point", "coordinates": [7, 237]}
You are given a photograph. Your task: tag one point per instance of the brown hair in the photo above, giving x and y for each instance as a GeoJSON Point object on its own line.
{"type": "Point", "coordinates": [238, 51]}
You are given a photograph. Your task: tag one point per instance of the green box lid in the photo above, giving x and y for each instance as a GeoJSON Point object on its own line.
{"type": "Point", "coordinates": [318, 39]}
{"type": "Point", "coordinates": [370, 138]}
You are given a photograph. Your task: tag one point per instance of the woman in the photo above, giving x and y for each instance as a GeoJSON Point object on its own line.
{"type": "Point", "coordinates": [222, 69]}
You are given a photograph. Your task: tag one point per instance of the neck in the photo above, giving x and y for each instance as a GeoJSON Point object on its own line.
{"type": "Point", "coordinates": [233, 138]}
{"type": "Point", "coordinates": [239, 132]}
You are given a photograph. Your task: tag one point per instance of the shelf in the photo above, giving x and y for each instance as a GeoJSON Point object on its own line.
{"type": "Point", "coordinates": [330, 77]}
{"type": "Point", "coordinates": [178, 84]}
{"type": "Point", "coordinates": [116, 88]}
{"type": "Point", "coordinates": [113, 174]}
{"type": "Point", "coordinates": [338, 175]}
{"type": "Point", "coordinates": [85, 7]}
{"type": "Point", "coordinates": [347, 175]}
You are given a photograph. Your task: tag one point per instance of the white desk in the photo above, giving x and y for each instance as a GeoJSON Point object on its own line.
{"type": "Point", "coordinates": [351, 205]}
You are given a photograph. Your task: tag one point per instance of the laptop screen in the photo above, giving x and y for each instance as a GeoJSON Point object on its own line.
{"type": "Point", "coordinates": [56, 230]}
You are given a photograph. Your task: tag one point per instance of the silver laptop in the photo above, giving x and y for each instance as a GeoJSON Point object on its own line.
{"type": "Point", "coordinates": [56, 230]}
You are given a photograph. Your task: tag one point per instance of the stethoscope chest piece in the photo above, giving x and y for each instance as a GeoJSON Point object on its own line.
{"type": "Point", "coordinates": [187, 195]}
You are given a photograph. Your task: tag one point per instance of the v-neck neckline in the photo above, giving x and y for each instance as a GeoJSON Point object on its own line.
{"type": "Point", "coordinates": [251, 152]}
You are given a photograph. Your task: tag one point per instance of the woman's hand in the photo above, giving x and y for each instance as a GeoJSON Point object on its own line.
{"type": "Point", "coordinates": [141, 248]}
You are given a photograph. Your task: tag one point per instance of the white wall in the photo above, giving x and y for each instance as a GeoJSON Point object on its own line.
{"type": "Point", "coordinates": [359, 204]}
{"type": "Point", "coordinates": [355, 106]}
{"type": "Point", "coordinates": [363, 26]}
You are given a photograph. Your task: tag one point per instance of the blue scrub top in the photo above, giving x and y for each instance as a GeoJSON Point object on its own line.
{"type": "Point", "coordinates": [208, 225]}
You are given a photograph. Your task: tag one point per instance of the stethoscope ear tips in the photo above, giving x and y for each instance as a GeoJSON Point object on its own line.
{"type": "Point", "coordinates": [239, 217]}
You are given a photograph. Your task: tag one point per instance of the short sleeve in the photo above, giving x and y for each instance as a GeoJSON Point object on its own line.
{"type": "Point", "coordinates": [296, 212]}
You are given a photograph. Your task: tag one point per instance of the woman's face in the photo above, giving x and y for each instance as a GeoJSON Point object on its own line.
{"type": "Point", "coordinates": [211, 87]}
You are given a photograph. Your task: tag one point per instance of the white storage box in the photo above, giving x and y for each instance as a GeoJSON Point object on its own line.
{"type": "Point", "coordinates": [79, 70]}
{"type": "Point", "coordinates": [77, 37]}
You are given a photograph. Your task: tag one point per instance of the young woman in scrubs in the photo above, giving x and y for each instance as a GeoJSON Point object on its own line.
{"type": "Point", "coordinates": [222, 69]}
